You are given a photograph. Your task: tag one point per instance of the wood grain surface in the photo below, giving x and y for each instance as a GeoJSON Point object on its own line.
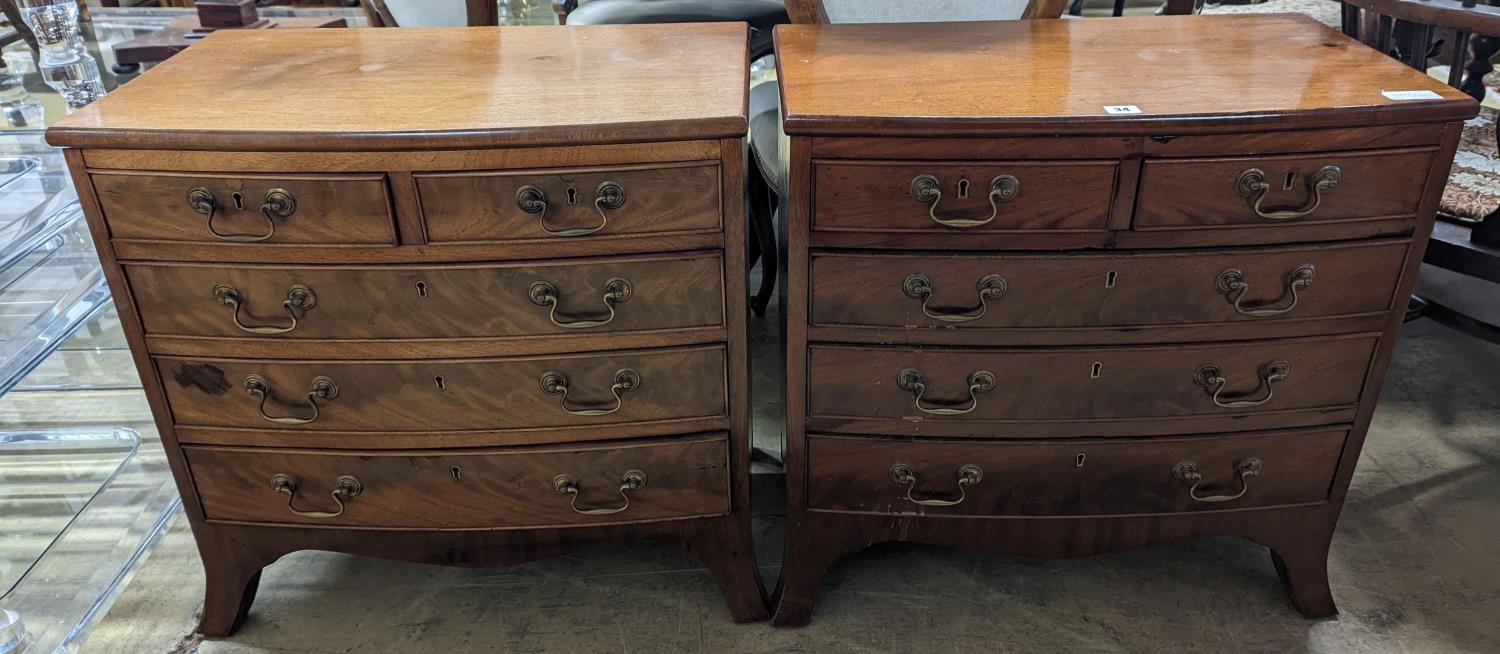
{"type": "Point", "coordinates": [1035, 76]}
{"type": "Point", "coordinates": [468, 489]}
{"type": "Point", "coordinates": [330, 209]}
{"type": "Point", "coordinates": [1073, 478]}
{"type": "Point", "coordinates": [430, 88]}
{"type": "Point", "coordinates": [454, 301]}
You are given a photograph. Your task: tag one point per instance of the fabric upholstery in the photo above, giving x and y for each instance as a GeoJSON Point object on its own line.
{"type": "Point", "coordinates": [1473, 190]}
{"type": "Point", "coordinates": [767, 141]}
{"type": "Point", "coordinates": [919, 11]}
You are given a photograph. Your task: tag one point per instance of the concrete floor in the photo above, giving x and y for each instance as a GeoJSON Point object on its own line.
{"type": "Point", "coordinates": [1414, 569]}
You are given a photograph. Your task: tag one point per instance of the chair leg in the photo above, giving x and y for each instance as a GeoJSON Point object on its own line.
{"type": "Point", "coordinates": [763, 237]}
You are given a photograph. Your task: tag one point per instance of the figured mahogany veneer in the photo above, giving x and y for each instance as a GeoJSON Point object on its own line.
{"type": "Point", "coordinates": [1020, 323]}
{"type": "Point", "coordinates": [500, 324]}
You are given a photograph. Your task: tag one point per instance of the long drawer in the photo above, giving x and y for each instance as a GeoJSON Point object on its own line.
{"type": "Point", "coordinates": [458, 489]}
{"type": "Point", "coordinates": [247, 209]}
{"type": "Point", "coordinates": [1071, 478]}
{"type": "Point", "coordinates": [454, 301]}
{"type": "Point", "coordinates": [1044, 384]}
{"type": "Point", "coordinates": [1103, 290]}
{"type": "Point", "coordinates": [445, 394]}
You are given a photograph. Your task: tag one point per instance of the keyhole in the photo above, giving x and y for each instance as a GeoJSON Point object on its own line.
{"type": "Point", "coordinates": [441, 383]}
{"type": "Point", "coordinates": [572, 195]}
{"type": "Point", "coordinates": [1095, 370]}
{"type": "Point", "coordinates": [239, 201]}
{"type": "Point", "coordinates": [422, 289]}
{"type": "Point", "coordinates": [1077, 462]}
{"type": "Point", "coordinates": [1291, 175]}
{"type": "Point", "coordinates": [459, 473]}
{"type": "Point", "coordinates": [963, 187]}
{"type": "Point", "coordinates": [1109, 279]}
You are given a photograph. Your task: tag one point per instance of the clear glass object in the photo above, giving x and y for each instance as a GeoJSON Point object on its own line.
{"type": "Point", "coordinates": [63, 60]}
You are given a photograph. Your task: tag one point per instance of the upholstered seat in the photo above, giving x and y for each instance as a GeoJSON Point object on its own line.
{"type": "Point", "coordinates": [1474, 185]}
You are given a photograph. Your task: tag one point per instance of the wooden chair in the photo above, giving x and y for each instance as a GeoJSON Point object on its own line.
{"type": "Point", "coordinates": [431, 13]}
{"type": "Point", "coordinates": [1467, 237]}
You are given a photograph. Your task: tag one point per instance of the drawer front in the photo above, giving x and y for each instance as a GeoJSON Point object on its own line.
{"type": "Point", "coordinates": [293, 209]}
{"type": "Point", "coordinates": [459, 489]}
{"type": "Point", "coordinates": [1113, 290]}
{"type": "Point", "coordinates": [1076, 478]}
{"type": "Point", "coordinates": [1272, 192]}
{"type": "Point", "coordinates": [960, 198]}
{"type": "Point", "coordinates": [569, 203]}
{"type": "Point", "coordinates": [510, 393]}
{"type": "Point", "coordinates": [1087, 383]}
{"type": "Point", "coordinates": [358, 302]}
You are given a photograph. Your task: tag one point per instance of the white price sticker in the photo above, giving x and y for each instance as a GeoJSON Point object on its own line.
{"type": "Point", "coordinates": [1121, 109]}
{"type": "Point", "coordinates": [1411, 95]}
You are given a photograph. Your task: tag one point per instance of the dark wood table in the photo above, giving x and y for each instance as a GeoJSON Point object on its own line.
{"type": "Point", "coordinates": [185, 31]}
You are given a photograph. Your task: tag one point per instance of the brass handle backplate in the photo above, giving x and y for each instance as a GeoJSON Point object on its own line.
{"type": "Point", "coordinates": [929, 191]}
{"type": "Point", "coordinates": [322, 388]}
{"type": "Point", "coordinates": [1253, 185]}
{"type": "Point", "coordinates": [1213, 381]}
{"type": "Point", "coordinates": [1232, 284]}
{"type": "Point", "coordinates": [1187, 473]}
{"type": "Point", "coordinates": [919, 287]}
{"type": "Point", "coordinates": [632, 480]}
{"type": "Point", "coordinates": [616, 290]}
{"type": "Point", "coordinates": [298, 298]}
{"type": "Point", "coordinates": [608, 196]}
{"type": "Point", "coordinates": [911, 381]}
{"type": "Point", "coordinates": [345, 487]}
{"type": "Point", "coordinates": [968, 475]}
{"type": "Point", "coordinates": [626, 380]}
{"type": "Point", "coordinates": [279, 203]}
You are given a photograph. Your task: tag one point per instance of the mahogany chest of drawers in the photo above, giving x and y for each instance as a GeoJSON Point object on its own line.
{"type": "Point", "coordinates": [461, 297]}
{"type": "Point", "coordinates": [1057, 288]}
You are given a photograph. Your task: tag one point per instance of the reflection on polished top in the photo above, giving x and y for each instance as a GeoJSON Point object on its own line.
{"type": "Point", "coordinates": [1180, 71]}
{"type": "Point", "coordinates": [361, 89]}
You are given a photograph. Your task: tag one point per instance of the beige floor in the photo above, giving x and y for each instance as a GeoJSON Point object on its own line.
{"type": "Point", "coordinates": [1414, 568]}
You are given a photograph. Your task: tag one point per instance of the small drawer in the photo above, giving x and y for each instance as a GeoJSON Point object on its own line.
{"type": "Point", "coordinates": [1268, 193]}
{"type": "Point", "coordinates": [458, 301]}
{"type": "Point", "coordinates": [1045, 384]}
{"type": "Point", "coordinates": [1074, 478]}
{"type": "Point", "coordinates": [445, 394]}
{"type": "Point", "coordinates": [466, 489]}
{"type": "Point", "coordinates": [962, 198]}
{"type": "Point", "coordinates": [247, 209]}
{"type": "Point", "coordinates": [1127, 289]}
{"type": "Point", "coordinates": [559, 204]}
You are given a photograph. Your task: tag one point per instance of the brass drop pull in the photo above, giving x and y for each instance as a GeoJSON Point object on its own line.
{"type": "Point", "coordinates": [1253, 185]}
{"type": "Point", "coordinates": [279, 203]}
{"type": "Point", "coordinates": [918, 287]}
{"type": "Point", "coordinates": [632, 480]}
{"type": "Point", "coordinates": [616, 289]}
{"type": "Point", "coordinates": [911, 381]}
{"type": "Point", "coordinates": [626, 380]}
{"type": "Point", "coordinates": [1187, 473]}
{"type": "Point", "coordinates": [927, 190]}
{"type": "Point", "coordinates": [322, 388]}
{"type": "Point", "coordinates": [1232, 284]}
{"type": "Point", "coordinates": [298, 298]}
{"type": "Point", "coordinates": [1214, 382]}
{"type": "Point", "coordinates": [345, 487]}
{"type": "Point", "coordinates": [968, 475]}
{"type": "Point", "coordinates": [608, 196]}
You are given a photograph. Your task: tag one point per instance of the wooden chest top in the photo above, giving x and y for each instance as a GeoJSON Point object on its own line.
{"type": "Point", "coordinates": [376, 89]}
{"type": "Point", "coordinates": [1184, 74]}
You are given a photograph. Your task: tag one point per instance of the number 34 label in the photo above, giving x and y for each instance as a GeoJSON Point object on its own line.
{"type": "Point", "coordinates": [1121, 109]}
